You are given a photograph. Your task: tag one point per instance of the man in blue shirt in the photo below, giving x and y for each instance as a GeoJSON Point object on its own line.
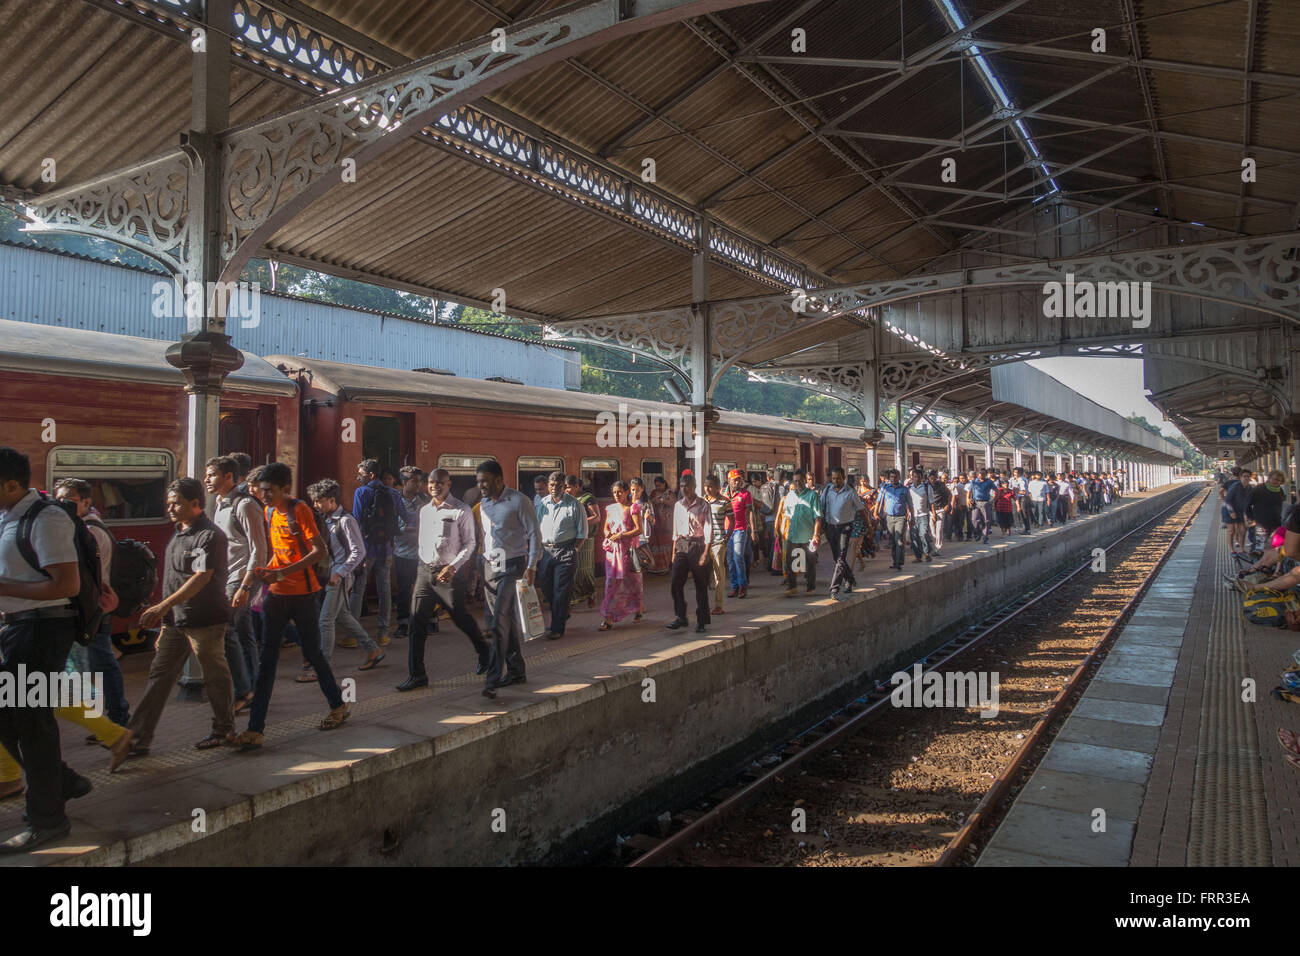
{"type": "Point", "coordinates": [894, 505]}
{"type": "Point", "coordinates": [981, 504]}
{"type": "Point", "coordinates": [563, 521]}
{"type": "Point", "coordinates": [376, 508]}
{"type": "Point", "coordinates": [840, 505]}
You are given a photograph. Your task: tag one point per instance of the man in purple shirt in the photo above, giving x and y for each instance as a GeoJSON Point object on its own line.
{"type": "Point", "coordinates": [376, 507]}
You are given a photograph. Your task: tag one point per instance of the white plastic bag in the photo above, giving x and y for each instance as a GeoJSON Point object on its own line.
{"type": "Point", "coordinates": [529, 604]}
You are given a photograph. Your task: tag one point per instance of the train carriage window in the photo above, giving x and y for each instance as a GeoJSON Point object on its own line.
{"type": "Point", "coordinates": [720, 468]}
{"type": "Point", "coordinates": [756, 472]}
{"type": "Point", "coordinates": [599, 475]}
{"type": "Point", "coordinates": [462, 469]}
{"type": "Point", "coordinates": [651, 468]}
{"type": "Point", "coordinates": [528, 468]}
{"type": "Point", "coordinates": [128, 486]}
{"type": "Point", "coordinates": [785, 466]}
{"type": "Point", "coordinates": [388, 439]}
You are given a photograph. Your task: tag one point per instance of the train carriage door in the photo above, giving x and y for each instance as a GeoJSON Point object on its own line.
{"type": "Point", "coordinates": [834, 458]}
{"type": "Point", "coordinates": [250, 430]}
{"type": "Point", "coordinates": [390, 439]}
{"type": "Point", "coordinates": [805, 456]}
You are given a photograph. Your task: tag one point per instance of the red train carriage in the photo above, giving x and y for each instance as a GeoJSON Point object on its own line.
{"type": "Point", "coordinates": [109, 409]}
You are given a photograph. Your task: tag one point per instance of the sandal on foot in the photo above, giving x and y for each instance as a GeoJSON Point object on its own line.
{"type": "Point", "coordinates": [372, 662]}
{"type": "Point", "coordinates": [638, 617]}
{"type": "Point", "coordinates": [214, 740]}
{"type": "Point", "coordinates": [306, 677]}
{"type": "Point", "coordinates": [120, 750]}
{"type": "Point", "coordinates": [248, 740]}
{"type": "Point", "coordinates": [335, 717]}
{"type": "Point", "coordinates": [1293, 760]}
{"type": "Point", "coordinates": [1289, 740]}
{"type": "Point", "coordinates": [604, 626]}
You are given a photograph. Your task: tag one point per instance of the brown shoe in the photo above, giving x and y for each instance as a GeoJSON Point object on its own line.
{"type": "Point", "coordinates": [248, 740]}
{"type": "Point", "coordinates": [119, 751]}
{"type": "Point", "coordinates": [335, 717]}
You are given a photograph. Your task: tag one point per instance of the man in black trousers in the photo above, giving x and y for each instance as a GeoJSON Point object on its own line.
{"type": "Point", "coordinates": [37, 627]}
{"type": "Point", "coordinates": [692, 535]}
{"type": "Point", "coordinates": [447, 546]}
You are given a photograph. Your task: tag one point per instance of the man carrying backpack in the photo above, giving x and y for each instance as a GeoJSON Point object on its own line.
{"type": "Point", "coordinates": [99, 653]}
{"type": "Point", "coordinates": [193, 613]}
{"type": "Point", "coordinates": [38, 624]}
{"type": "Point", "coordinates": [376, 506]}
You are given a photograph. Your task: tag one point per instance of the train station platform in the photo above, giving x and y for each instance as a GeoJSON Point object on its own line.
{"type": "Point", "coordinates": [1168, 746]}
{"type": "Point", "coordinates": [608, 727]}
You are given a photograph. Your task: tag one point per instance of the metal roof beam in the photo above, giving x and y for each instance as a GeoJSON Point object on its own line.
{"type": "Point", "coordinates": [1247, 67]}
{"type": "Point", "coordinates": [694, 86]}
{"type": "Point", "coordinates": [1193, 190]}
{"type": "Point", "coordinates": [1285, 80]}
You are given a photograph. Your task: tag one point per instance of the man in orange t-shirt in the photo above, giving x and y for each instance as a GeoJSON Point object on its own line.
{"type": "Point", "coordinates": [296, 548]}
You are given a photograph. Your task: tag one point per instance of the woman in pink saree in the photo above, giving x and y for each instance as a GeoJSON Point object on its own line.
{"type": "Point", "coordinates": [623, 589]}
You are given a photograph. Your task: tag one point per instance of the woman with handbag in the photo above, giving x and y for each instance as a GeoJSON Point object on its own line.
{"type": "Point", "coordinates": [624, 592]}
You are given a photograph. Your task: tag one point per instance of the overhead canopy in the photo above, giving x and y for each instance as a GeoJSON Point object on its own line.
{"type": "Point", "coordinates": [1044, 400]}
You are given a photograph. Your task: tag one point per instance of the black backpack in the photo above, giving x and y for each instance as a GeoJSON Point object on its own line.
{"type": "Point", "coordinates": [133, 576]}
{"type": "Point", "coordinates": [379, 518]}
{"type": "Point", "coordinates": [86, 601]}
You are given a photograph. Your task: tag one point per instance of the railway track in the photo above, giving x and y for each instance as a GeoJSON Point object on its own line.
{"type": "Point", "coordinates": [927, 784]}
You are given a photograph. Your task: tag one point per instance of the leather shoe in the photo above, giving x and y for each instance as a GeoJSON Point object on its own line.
{"type": "Point", "coordinates": [33, 837]}
{"type": "Point", "coordinates": [512, 680]}
{"type": "Point", "coordinates": [413, 683]}
{"type": "Point", "coordinates": [676, 624]}
{"type": "Point", "coordinates": [482, 668]}
{"type": "Point", "coordinates": [80, 788]}
{"type": "Point", "coordinates": [490, 693]}
{"type": "Point", "coordinates": [699, 629]}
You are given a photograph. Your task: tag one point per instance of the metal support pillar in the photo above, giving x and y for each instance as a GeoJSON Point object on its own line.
{"type": "Point", "coordinates": [205, 355]}
{"type": "Point", "coordinates": [701, 360]}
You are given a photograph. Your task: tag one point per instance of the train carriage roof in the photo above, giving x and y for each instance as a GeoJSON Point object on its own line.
{"type": "Point", "coordinates": [366, 383]}
{"type": "Point", "coordinates": [57, 350]}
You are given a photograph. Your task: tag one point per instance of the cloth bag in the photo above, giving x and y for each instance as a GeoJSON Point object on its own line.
{"type": "Point", "coordinates": [529, 604]}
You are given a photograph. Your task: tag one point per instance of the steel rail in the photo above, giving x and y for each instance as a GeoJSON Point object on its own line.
{"type": "Point", "coordinates": [979, 818]}
{"type": "Point", "coordinates": [675, 843]}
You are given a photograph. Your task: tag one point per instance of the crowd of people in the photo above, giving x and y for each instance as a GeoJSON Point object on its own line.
{"type": "Point", "coordinates": [1263, 531]}
{"type": "Point", "coordinates": [267, 571]}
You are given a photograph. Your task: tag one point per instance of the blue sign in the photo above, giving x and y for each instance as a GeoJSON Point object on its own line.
{"type": "Point", "coordinates": [1229, 433]}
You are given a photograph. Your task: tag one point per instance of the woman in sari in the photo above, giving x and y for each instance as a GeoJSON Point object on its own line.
{"type": "Point", "coordinates": [624, 593]}
{"type": "Point", "coordinates": [867, 495]}
{"type": "Point", "coordinates": [662, 500]}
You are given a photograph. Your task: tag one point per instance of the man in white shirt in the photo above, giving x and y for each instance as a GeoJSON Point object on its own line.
{"type": "Point", "coordinates": [38, 626]}
{"type": "Point", "coordinates": [512, 546]}
{"type": "Point", "coordinates": [692, 535]}
{"type": "Point", "coordinates": [447, 547]}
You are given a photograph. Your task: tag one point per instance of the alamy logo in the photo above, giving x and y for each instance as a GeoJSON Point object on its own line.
{"type": "Point", "coordinates": [38, 689]}
{"type": "Point", "coordinates": [960, 689]}
{"type": "Point", "coordinates": [77, 909]}
{"type": "Point", "coordinates": [234, 300]}
{"type": "Point", "coordinates": [655, 429]}
{"type": "Point", "coordinates": [1086, 299]}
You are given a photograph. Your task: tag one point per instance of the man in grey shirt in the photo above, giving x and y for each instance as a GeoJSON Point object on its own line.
{"type": "Point", "coordinates": [512, 544]}
{"type": "Point", "coordinates": [239, 516]}
{"type": "Point", "coordinates": [922, 507]}
{"type": "Point", "coordinates": [563, 524]}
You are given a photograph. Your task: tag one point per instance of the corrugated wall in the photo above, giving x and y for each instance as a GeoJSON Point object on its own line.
{"type": "Point", "coordinates": [50, 289]}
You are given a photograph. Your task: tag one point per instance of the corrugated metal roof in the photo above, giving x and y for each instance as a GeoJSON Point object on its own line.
{"type": "Point", "coordinates": [54, 290]}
